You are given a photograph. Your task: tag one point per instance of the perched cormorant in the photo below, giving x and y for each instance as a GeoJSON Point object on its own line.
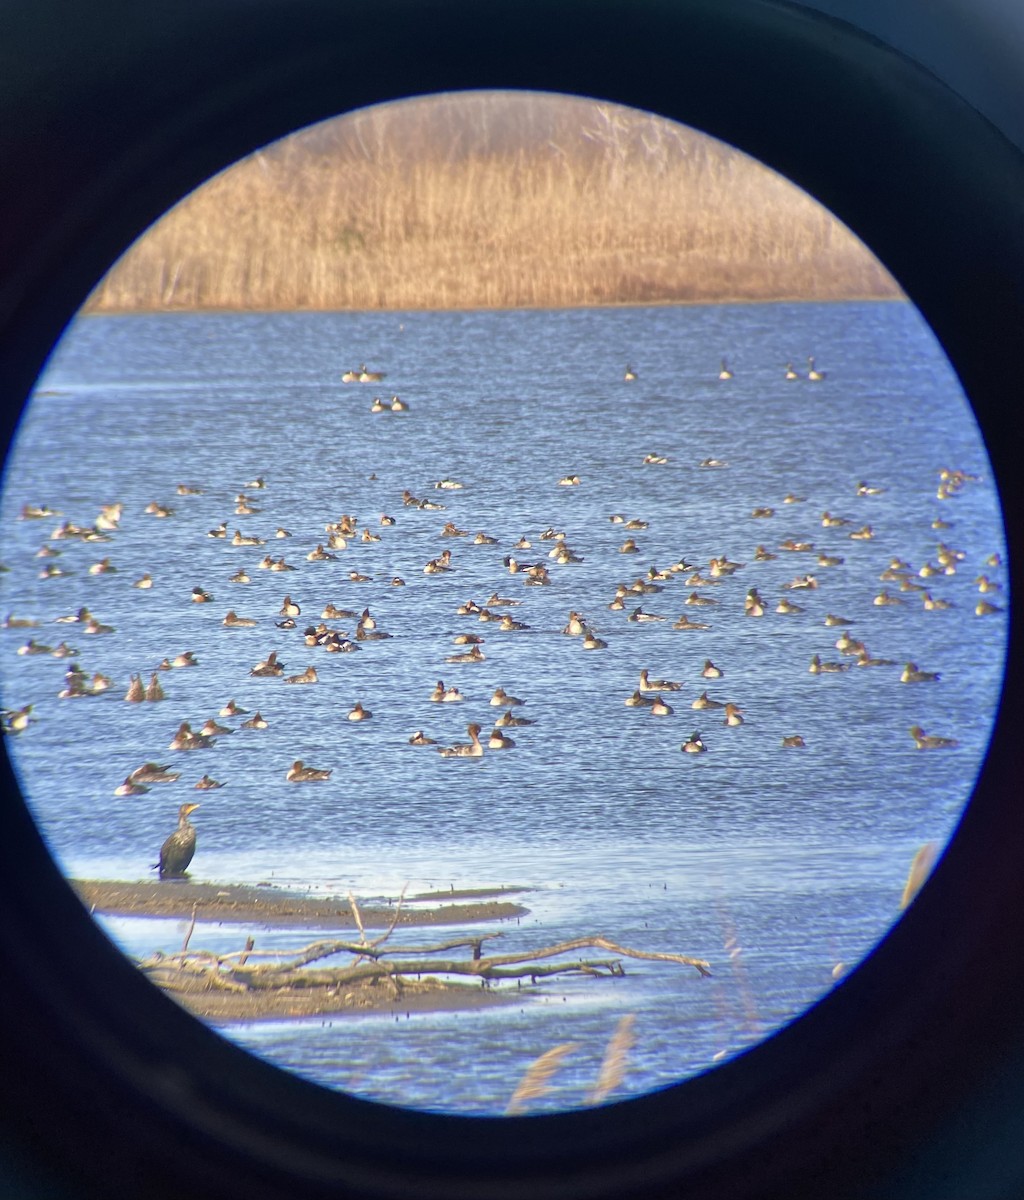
{"type": "Point", "coordinates": [176, 853]}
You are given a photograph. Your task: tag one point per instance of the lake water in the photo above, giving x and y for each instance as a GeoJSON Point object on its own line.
{"type": "Point", "coordinates": [775, 865]}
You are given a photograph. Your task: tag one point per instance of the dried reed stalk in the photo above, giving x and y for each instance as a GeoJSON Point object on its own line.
{"type": "Point", "coordinates": [536, 1081]}
{"type": "Point", "coordinates": [613, 1068]}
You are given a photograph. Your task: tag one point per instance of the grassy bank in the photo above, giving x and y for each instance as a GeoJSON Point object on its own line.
{"type": "Point", "coordinates": [491, 200]}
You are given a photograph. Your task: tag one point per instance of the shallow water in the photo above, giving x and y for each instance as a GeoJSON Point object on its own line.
{"type": "Point", "coordinates": [796, 857]}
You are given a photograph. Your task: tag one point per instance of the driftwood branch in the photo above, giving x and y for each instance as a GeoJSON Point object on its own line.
{"type": "Point", "coordinates": [246, 970]}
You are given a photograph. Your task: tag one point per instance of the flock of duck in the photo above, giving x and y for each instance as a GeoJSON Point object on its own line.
{"type": "Point", "coordinates": [308, 615]}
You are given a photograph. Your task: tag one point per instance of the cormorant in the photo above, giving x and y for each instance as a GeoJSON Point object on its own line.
{"type": "Point", "coordinates": [176, 853]}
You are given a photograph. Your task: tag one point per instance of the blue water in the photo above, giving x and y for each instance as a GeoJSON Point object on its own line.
{"type": "Point", "coordinates": [798, 858]}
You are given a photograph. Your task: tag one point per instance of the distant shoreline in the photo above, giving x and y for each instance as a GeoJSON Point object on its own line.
{"type": "Point", "coordinates": [227, 310]}
{"type": "Point", "coordinates": [241, 903]}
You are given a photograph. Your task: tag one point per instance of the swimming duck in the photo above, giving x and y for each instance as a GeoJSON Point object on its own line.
{"type": "Point", "coordinates": [934, 603]}
{"type": "Point", "coordinates": [333, 613]}
{"type": "Point", "coordinates": [231, 709]}
{"type": "Point", "coordinates": [983, 608]}
{"type": "Point", "coordinates": [467, 639]}
{"type": "Point", "coordinates": [733, 714]}
{"type": "Point", "coordinates": [911, 674]}
{"type": "Point", "coordinates": [207, 784]}
{"type": "Point", "coordinates": [151, 772]}
{"type": "Point", "coordinates": [358, 713]}
{"type": "Point", "coordinates": [13, 622]}
{"type": "Point", "coordinates": [794, 546]}
{"type": "Point", "coordinates": [576, 624]}
{"type": "Point", "coordinates": [470, 749]}
{"type": "Point", "coordinates": [366, 376]}
{"type": "Point", "coordinates": [450, 529]}
{"type": "Point", "coordinates": [212, 729]}
{"type": "Point", "coordinates": [34, 647]}
{"type": "Point", "coordinates": [508, 624]}
{"type": "Point", "coordinates": [684, 622]}
{"type": "Point", "coordinates": [398, 405]}
{"type": "Point", "coordinates": [629, 376]}
{"type": "Point", "coordinates": [136, 693]}
{"type": "Point", "coordinates": [790, 372]}
{"type": "Point", "coordinates": [885, 597]}
{"type": "Point", "coordinates": [864, 534]}
{"type": "Point", "coordinates": [762, 512]}
{"type": "Point", "coordinates": [657, 685]}
{"type": "Point", "coordinates": [484, 539]}
{"type": "Point", "coordinates": [509, 718]}
{"type": "Point", "coordinates": [63, 650]}
{"type": "Point", "coordinates": [865, 659]}
{"type": "Point", "coordinates": [848, 645]}
{"type": "Point", "coordinates": [710, 671]}
{"type": "Point", "coordinates": [830, 560]}
{"type": "Point", "coordinates": [256, 721]}
{"type": "Point", "coordinates": [473, 655]}
{"type": "Point", "coordinates": [693, 744]}
{"type": "Point", "coordinates": [103, 567]}
{"type": "Point", "coordinates": [813, 374]}
{"type": "Point", "coordinates": [569, 481]}
{"type": "Point", "coordinates": [378, 405]}
{"type": "Point", "coordinates": [724, 372]}
{"type": "Point", "coordinates": [269, 666]}
{"type": "Point", "coordinates": [705, 701]}
{"type": "Point", "coordinates": [763, 555]}
{"type": "Point", "coordinates": [636, 700]}
{"type": "Point", "coordinates": [128, 788]}
{"type": "Point", "coordinates": [419, 738]}
{"type": "Point", "coordinates": [299, 773]}
{"type": "Point", "coordinates": [592, 642]}
{"type": "Point", "coordinates": [499, 740]}
{"type": "Point", "coordinates": [793, 742]}
{"type": "Point", "coordinates": [233, 621]}
{"type": "Point", "coordinates": [503, 699]}
{"type": "Point", "coordinates": [801, 581]}
{"type": "Point", "coordinates": [788, 608]}
{"type": "Point", "coordinates": [925, 741]}
{"type": "Point", "coordinates": [866, 489]}
{"type": "Point", "coordinates": [289, 608]}
{"type": "Point", "coordinates": [831, 619]}
{"type": "Point", "coordinates": [753, 604]}
{"type": "Point", "coordinates": [629, 546]}
{"type": "Point", "coordinates": [309, 675]}
{"type": "Point", "coordinates": [187, 739]}
{"type": "Point", "coordinates": [496, 601]}
{"type": "Point", "coordinates": [659, 708]}
{"type": "Point", "coordinates": [818, 667]}
{"type": "Point", "coordinates": [638, 614]}
{"type": "Point", "coordinates": [278, 564]}
{"type": "Point", "coordinates": [712, 463]}
{"type": "Point", "coordinates": [702, 601]}
{"type": "Point", "coordinates": [658, 460]}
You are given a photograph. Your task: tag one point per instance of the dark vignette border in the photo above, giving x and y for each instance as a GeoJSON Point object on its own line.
{"type": "Point", "coordinates": [899, 1081]}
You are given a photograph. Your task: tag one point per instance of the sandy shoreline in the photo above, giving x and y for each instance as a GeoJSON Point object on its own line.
{"type": "Point", "coordinates": [268, 905]}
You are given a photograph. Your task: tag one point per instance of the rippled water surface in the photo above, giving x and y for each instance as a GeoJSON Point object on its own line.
{"type": "Point", "coordinates": [776, 865]}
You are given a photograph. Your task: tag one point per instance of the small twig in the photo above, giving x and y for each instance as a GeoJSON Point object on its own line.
{"type": "Point", "coordinates": [358, 917]}
{"type": "Point", "coordinates": [394, 920]}
{"type": "Point", "coordinates": [184, 944]}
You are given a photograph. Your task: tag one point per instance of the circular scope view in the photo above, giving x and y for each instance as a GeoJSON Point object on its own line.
{"type": "Point", "coordinates": [503, 603]}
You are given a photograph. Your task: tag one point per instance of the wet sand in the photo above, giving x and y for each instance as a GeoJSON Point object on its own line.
{"type": "Point", "coordinates": [268, 905]}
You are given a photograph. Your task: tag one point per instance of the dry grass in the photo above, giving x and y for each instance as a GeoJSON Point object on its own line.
{"type": "Point", "coordinates": [491, 200]}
